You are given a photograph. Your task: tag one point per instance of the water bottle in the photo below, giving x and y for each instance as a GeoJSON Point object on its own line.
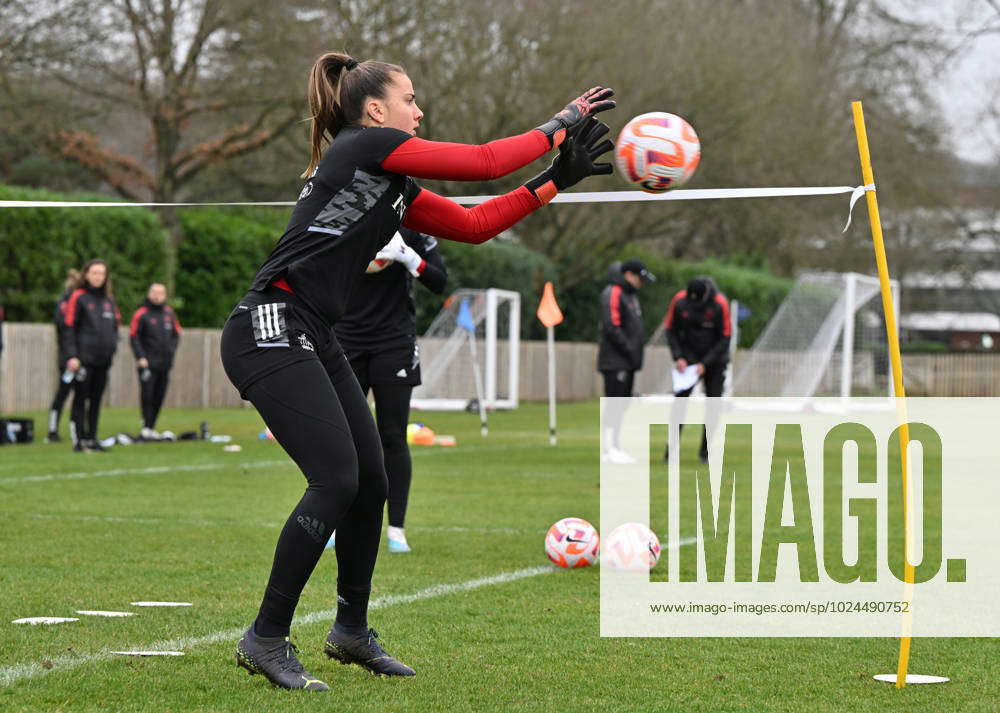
{"type": "Point", "coordinates": [67, 377]}
{"type": "Point", "coordinates": [146, 373]}
{"type": "Point", "coordinates": [205, 434]}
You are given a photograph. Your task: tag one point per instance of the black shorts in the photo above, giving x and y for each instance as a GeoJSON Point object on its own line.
{"type": "Point", "coordinates": [268, 331]}
{"type": "Point", "coordinates": [393, 364]}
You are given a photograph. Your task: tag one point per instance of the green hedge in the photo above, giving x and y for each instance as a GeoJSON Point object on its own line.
{"type": "Point", "coordinates": [218, 258]}
{"type": "Point", "coordinates": [38, 245]}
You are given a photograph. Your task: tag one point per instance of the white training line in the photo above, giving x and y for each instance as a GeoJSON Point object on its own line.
{"type": "Point", "coordinates": [483, 530]}
{"type": "Point", "coordinates": [19, 672]}
{"type": "Point", "coordinates": [142, 471]}
{"type": "Point", "coordinates": [150, 520]}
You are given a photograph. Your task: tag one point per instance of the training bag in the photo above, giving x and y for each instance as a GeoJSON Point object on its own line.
{"type": "Point", "coordinates": [16, 430]}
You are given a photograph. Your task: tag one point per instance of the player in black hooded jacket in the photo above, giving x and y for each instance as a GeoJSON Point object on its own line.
{"type": "Point", "coordinates": [90, 341]}
{"type": "Point", "coordinates": [698, 329]}
{"type": "Point", "coordinates": [622, 339]}
{"type": "Point", "coordinates": [379, 337]}
{"type": "Point", "coordinates": [154, 335]}
{"type": "Point", "coordinates": [65, 384]}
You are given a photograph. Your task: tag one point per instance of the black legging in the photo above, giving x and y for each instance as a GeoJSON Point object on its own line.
{"type": "Point", "coordinates": [87, 395]}
{"type": "Point", "coordinates": [392, 413]}
{"type": "Point", "coordinates": [616, 384]}
{"type": "Point", "coordinates": [318, 413]}
{"type": "Point", "coordinates": [714, 381]}
{"type": "Point", "coordinates": [63, 391]}
{"type": "Point", "coordinates": [151, 394]}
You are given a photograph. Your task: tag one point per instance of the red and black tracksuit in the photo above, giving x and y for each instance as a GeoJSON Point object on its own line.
{"type": "Point", "coordinates": [280, 351]}
{"type": "Point", "coordinates": [698, 331]}
{"type": "Point", "coordinates": [621, 342]}
{"type": "Point", "coordinates": [154, 335]}
{"type": "Point", "coordinates": [91, 335]}
{"type": "Point", "coordinates": [64, 385]}
{"type": "Point", "coordinates": [622, 335]}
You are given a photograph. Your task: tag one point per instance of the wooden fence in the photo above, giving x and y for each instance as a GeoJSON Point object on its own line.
{"type": "Point", "coordinates": [28, 372]}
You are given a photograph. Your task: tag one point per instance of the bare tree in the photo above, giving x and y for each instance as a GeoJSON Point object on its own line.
{"type": "Point", "coordinates": [175, 87]}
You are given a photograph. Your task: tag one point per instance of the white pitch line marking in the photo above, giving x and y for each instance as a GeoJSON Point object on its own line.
{"type": "Point", "coordinates": [260, 524]}
{"type": "Point", "coordinates": [142, 471]}
{"type": "Point", "coordinates": [21, 671]}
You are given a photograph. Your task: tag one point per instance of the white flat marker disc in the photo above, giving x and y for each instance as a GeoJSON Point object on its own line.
{"type": "Point", "coordinates": [161, 604]}
{"type": "Point", "coordinates": [87, 612]}
{"type": "Point", "coordinates": [44, 620]}
{"type": "Point", "coordinates": [911, 678]}
{"type": "Point", "coordinates": [149, 653]}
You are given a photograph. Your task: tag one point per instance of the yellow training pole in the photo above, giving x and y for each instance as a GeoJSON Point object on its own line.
{"type": "Point", "coordinates": [897, 373]}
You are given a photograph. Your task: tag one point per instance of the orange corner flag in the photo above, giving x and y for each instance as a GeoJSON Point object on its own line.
{"type": "Point", "coordinates": [548, 312]}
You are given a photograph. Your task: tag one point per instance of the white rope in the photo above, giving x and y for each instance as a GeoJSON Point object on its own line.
{"type": "Point", "coordinates": [582, 197]}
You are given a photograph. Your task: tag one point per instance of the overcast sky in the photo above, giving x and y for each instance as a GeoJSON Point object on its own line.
{"type": "Point", "coordinates": [965, 90]}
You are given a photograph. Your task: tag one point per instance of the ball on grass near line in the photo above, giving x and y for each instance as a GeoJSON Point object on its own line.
{"type": "Point", "coordinates": [657, 151]}
{"type": "Point", "coordinates": [632, 547]}
{"type": "Point", "coordinates": [572, 542]}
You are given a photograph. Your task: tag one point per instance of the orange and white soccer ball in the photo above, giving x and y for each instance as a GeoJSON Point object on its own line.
{"type": "Point", "coordinates": [657, 151]}
{"type": "Point", "coordinates": [572, 542]}
{"type": "Point", "coordinates": [632, 547]}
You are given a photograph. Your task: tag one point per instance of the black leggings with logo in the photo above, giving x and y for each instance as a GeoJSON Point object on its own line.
{"type": "Point", "coordinates": [308, 396]}
{"type": "Point", "coordinates": [87, 394]}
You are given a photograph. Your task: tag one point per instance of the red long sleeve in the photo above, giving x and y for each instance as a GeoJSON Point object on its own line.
{"type": "Point", "coordinates": [436, 215]}
{"type": "Point", "coordinates": [420, 158]}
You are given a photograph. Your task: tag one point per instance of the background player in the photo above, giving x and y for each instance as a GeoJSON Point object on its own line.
{"type": "Point", "coordinates": [154, 334]}
{"type": "Point", "coordinates": [698, 329]}
{"type": "Point", "coordinates": [379, 337]}
{"type": "Point", "coordinates": [65, 384]}
{"type": "Point", "coordinates": [90, 341]}
{"type": "Point", "coordinates": [622, 338]}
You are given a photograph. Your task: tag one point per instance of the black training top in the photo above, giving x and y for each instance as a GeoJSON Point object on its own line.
{"type": "Point", "coordinates": [381, 311]}
{"type": "Point", "coordinates": [154, 334]}
{"type": "Point", "coordinates": [347, 211]}
{"type": "Point", "coordinates": [91, 333]}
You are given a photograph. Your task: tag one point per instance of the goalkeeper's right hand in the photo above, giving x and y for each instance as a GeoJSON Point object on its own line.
{"type": "Point", "coordinates": [592, 101]}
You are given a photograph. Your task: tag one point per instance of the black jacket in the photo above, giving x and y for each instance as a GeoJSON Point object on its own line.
{"type": "Point", "coordinates": [59, 318]}
{"type": "Point", "coordinates": [91, 333]}
{"type": "Point", "coordinates": [154, 334]}
{"type": "Point", "coordinates": [699, 331]}
{"type": "Point", "coordinates": [622, 334]}
{"type": "Point", "coordinates": [381, 311]}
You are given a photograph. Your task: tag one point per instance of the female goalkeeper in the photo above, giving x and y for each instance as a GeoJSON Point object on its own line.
{"type": "Point", "coordinates": [279, 350]}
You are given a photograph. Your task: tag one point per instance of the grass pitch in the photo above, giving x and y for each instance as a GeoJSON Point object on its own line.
{"type": "Point", "coordinates": [475, 609]}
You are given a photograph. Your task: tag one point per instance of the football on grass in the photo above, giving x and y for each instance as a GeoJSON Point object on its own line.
{"type": "Point", "coordinates": [572, 542]}
{"type": "Point", "coordinates": [632, 547]}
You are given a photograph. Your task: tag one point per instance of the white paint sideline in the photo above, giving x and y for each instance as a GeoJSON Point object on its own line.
{"type": "Point", "coordinates": [268, 525]}
{"type": "Point", "coordinates": [144, 471]}
{"type": "Point", "coordinates": [19, 672]}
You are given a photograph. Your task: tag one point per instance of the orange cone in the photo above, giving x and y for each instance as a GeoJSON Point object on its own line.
{"type": "Point", "coordinates": [548, 312]}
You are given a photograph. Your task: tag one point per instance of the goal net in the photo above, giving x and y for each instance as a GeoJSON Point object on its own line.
{"type": "Point", "coordinates": [826, 339]}
{"type": "Point", "coordinates": [457, 372]}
